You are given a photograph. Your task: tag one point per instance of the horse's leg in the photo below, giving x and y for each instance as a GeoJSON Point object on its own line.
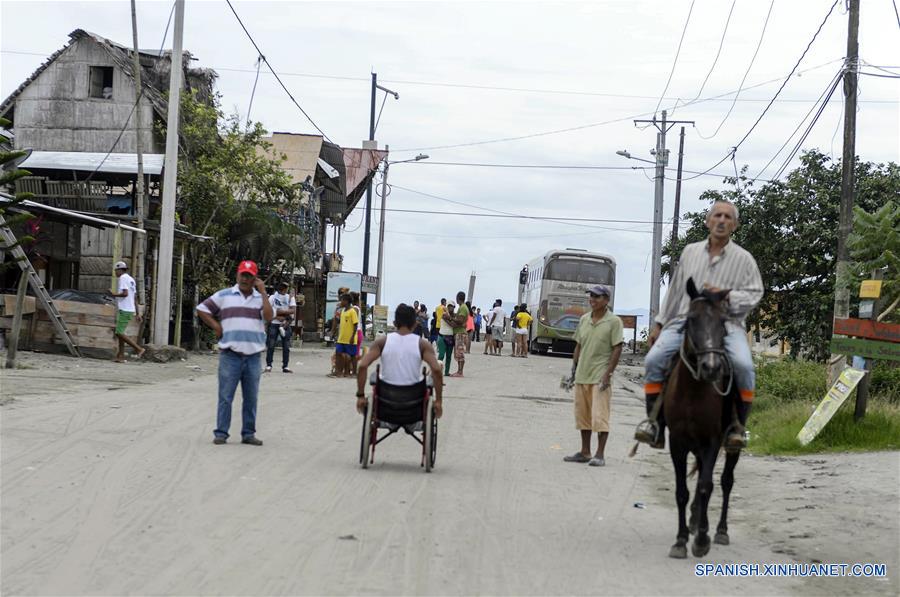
{"type": "Point", "coordinates": [731, 460]}
{"type": "Point", "coordinates": [678, 454]}
{"type": "Point", "coordinates": [695, 504]}
{"type": "Point", "coordinates": [701, 543]}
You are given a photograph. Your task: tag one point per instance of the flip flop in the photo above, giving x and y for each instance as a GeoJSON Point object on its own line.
{"type": "Point", "coordinates": [577, 457]}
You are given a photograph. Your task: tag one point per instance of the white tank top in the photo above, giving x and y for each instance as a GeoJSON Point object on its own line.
{"type": "Point", "coordinates": [401, 360]}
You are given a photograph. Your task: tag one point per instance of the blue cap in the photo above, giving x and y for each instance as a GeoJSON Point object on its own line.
{"type": "Point", "coordinates": [598, 290]}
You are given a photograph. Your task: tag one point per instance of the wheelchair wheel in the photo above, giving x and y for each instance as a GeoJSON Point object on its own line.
{"type": "Point", "coordinates": [365, 448]}
{"type": "Point", "coordinates": [429, 439]}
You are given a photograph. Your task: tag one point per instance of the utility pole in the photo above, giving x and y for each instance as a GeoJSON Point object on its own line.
{"type": "Point", "coordinates": [138, 240]}
{"type": "Point", "coordinates": [662, 159]}
{"type": "Point", "coordinates": [848, 167]}
{"type": "Point", "coordinates": [380, 287]}
{"type": "Point", "coordinates": [678, 187]}
{"type": "Point", "coordinates": [162, 303]}
{"type": "Point", "coordinates": [375, 87]}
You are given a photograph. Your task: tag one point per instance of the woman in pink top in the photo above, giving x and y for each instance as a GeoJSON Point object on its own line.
{"type": "Point", "coordinates": [470, 328]}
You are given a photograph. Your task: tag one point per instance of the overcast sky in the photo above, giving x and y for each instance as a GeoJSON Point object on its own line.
{"type": "Point", "coordinates": [563, 64]}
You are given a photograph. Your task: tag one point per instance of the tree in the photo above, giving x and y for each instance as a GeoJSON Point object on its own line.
{"type": "Point", "coordinates": [874, 244]}
{"type": "Point", "coordinates": [9, 174]}
{"type": "Point", "coordinates": [790, 226]}
{"type": "Point", "coordinates": [232, 191]}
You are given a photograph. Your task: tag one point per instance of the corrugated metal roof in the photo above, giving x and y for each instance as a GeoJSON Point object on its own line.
{"type": "Point", "coordinates": [121, 163]}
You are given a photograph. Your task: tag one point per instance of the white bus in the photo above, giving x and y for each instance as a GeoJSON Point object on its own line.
{"type": "Point", "coordinates": [556, 294]}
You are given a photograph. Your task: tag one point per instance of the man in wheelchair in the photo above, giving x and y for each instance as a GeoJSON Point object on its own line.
{"type": "Point", "coordinates": [400, 378]}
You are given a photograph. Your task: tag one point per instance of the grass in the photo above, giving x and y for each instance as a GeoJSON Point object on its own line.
{"type": "Point", "coordinates": [788, 392]}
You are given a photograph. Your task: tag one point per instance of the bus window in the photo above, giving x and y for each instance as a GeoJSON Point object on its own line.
{"type": "Point", "coordinates": [580, 271]}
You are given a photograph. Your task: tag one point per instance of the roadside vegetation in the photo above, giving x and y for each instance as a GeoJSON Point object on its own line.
{"type": "Point", "coordinates": [787, 393]}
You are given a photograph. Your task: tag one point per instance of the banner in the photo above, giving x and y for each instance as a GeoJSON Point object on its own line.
{"type": "Point", "coordinates": [834, 398]}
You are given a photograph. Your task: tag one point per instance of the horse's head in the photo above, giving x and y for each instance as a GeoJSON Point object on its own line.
{"type": "Point", "coordinates": [705, 331]}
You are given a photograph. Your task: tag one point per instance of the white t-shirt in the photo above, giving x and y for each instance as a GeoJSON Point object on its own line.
{"type": "Point", "coordinates": [126, 303]}
{"type": "Point", "coordinates": [281, 301]}
{"type": "Point", "coordinates": [499, 316]}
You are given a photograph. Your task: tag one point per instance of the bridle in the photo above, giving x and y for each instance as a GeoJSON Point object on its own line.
{"type": "Point", "coordinates": [696, 352]}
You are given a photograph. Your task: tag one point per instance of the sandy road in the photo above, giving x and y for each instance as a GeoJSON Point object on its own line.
{"type": "Point", "coordinates": [114, 487]}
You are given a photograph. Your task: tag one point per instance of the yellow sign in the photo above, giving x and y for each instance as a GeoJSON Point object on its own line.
{"type": "Point", "coordinates": [833, 400]}
{"type": "Point", "coordinates": [870, 289]}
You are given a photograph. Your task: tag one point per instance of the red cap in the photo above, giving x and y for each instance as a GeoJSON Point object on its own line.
{"type": "Point", "coordinates": [247, 266]}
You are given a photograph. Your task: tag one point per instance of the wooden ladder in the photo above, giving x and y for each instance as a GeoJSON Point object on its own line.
{"type": "Point", "coordinates": [38, 287]}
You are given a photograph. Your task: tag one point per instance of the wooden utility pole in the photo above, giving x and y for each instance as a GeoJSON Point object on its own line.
{"type": "Point", "coordinates": [138, 241]}
{"type": "Point", "coordinates": [162, 305]}
{"type": "Point", "coordinates": [12, 345]}
{"type": "Point", "coordinates": [677, 210]}
{"type": "Point", "coordinates": [848, 167]}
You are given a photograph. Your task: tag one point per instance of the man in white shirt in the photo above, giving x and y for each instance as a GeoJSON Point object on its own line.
{"type": "Point", "coordinates": [498, 325]}
{"type": "Point", "coordinates": [279, 329]}
{"type": "Point", "coordinates": [125, 299]}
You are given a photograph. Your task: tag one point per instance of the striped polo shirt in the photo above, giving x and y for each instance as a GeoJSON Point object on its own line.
{"type": "Point", "coordinates": [734, 267]}
{"type": "Point", "coordinates": [243, 326]}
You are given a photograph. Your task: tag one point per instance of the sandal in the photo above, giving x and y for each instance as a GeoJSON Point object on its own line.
{"type": "Point", "coordinates": [577, 457]}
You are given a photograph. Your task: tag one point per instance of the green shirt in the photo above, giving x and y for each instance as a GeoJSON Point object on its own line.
{"type": "Point", "coordinates": [597, 341]}
{"type": "Point", "coordinates": [461, 312]}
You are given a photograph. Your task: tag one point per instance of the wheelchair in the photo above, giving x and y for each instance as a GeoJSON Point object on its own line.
{"type": "Point", "coordinates": [392, 408]}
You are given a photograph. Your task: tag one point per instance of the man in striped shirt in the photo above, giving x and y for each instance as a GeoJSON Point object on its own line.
{"type": "Point", "coordinates": [238, 316]}
{"type": "Point", "coordinates": [718, 263]}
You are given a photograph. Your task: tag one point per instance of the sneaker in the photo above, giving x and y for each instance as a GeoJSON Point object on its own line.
{"type": "Point", "coordinates": [286, 370]}
{"type": "Point", "coordinates": [219, 440]}
{"type": "Point", "coordinates": [268, 369]}
{"type": "Point", "coordinates": [597, 461]}
{"type": "Point", "coordinates": [252, 440]}
{"type": "Point", "coordinates": [577, 457]}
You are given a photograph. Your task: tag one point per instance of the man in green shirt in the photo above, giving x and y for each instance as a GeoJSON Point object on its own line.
{"type": "Point", "coordinates": [459, 333]}
{"type": "Point", "coordinates": [598, 345]}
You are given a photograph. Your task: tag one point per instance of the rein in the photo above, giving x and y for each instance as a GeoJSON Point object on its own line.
{"type": "Point", "coordinates": [695, 374]}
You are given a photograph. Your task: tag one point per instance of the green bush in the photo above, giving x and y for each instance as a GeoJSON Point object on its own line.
{"type": "Point", "coordinates": [788, 380]}
{"type": "Point", "coordinates": [885, 382]}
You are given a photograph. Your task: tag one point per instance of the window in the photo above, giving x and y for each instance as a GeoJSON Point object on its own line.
{"type": "Point", "coordinates": [101, 82]}
{"type": "Point", "coordinates": [581, 271]}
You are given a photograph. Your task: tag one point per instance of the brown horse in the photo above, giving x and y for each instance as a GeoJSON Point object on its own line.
{"type": "Point", "coordinates": [698, 406]}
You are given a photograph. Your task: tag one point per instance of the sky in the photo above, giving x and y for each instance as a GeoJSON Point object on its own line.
{"type": "Point", "coordinates": [569, 77]}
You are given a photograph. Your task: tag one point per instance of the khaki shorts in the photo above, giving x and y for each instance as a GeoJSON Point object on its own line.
{"type": "Point", "coordinates": [592, 407]}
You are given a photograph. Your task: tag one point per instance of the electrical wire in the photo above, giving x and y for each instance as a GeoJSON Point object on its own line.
{"type": "Point", "coordinates": [777, 93]}
{"type": "Point", "coordinates": [275, 74]}
{"type": "Point", "coordinates": [743, 79]}
{"type": "Point", "coordinates": [380, 110]}
{"type": "Point", "coordinates": [677, 53]}
{"type": "Point", "coordinates": [519, 216]}
{"type": "Point", "coordinates": [253, 93]}
{"type": "Point", "coordinates": [896, 13]}
{"type": "Point", "coordinates": [605, 122]}
{"type": "Point", "coordinates": [719, 52]}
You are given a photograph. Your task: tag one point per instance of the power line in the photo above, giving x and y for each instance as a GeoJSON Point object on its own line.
{"type": "Point", "coordinates": [559, 167]}
{"type": "Point", "coordinates": [677, 53]}
{"type": "Point", "coordinates": [518, 216]}
{"type": "Point", "coordinates": [896, 13]}
{"type": "Point", "coordinates": [718, 52]}
{"type": "Point", "coordinates": [744, 78]}
{"type": "Point", "coordinates": [734, 149]}
{"type": "Point", "coordinates": [605, 122]}
{"type": "Point", "coordinates": [272, 70]}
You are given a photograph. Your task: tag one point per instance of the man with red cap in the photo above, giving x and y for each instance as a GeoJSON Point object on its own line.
{"type": "Point", "coordinates": [238, 315]}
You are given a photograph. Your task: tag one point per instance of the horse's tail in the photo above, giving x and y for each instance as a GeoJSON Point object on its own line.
{"type": "Point", "coordinates": [696, 467]}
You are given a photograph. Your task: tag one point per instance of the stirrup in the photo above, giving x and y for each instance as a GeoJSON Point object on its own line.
{"type": "Point", "coordinates": [735, 438]}
{"type": "Point", "coordinates": [646, 432]}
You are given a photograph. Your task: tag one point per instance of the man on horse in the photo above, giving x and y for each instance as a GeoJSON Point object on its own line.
{"type": "Point", "coordinates": [717, 263]}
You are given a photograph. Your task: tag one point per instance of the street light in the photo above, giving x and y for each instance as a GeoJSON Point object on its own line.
{"type": "Point", "coordinates": [625, 154]}
{"type": "Point", "coordinates": [387, 166]}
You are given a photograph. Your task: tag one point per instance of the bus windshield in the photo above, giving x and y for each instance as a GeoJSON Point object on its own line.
{"type": "Point", "coordinates": [582, 271]}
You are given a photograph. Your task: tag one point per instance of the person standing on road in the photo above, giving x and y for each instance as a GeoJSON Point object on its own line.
{"type": "Point", "coordinates": [512, 331]}
{"type": "Point", "coordinates": [126, 311]}
{"type": "Point", "coordinates": [598, 345]}
{"type": "Point", "coordinates": [458, 321]}
{"type": "Point", "coordinates": [522, 324]}
{"type": "Point", "coordinates": [470, 327]}
{"type": "Point", "coordinates": [445, 337]}
{"type": "Point", "coordinates": [715, 264]}
{"type": "Point", "coordinates": [498, 324]}
{"type": "Point", "coordinates": [345, 347]}
{"type": "Point", "coordinates": [477, 322]}
{"type": "Point", "coordinates": [279, 332]}
{"type": "Point", "coordinates": [238, 316]}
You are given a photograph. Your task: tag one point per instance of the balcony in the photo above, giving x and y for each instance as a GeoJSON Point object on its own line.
{"type": "Point", "coordinates": [77, 196]}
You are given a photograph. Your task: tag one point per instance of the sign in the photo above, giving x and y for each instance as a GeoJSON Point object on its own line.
{"type": "Point", "coordinates": [629, 322]}
{"type": "Point", "coordinates": [870, 289]}
{"type": "Point", "coordinates": [866, 328]}
{"type": "Point", "coordinates": [379, 316]}
{"type": "Point", "coordinates": [834, 398]}
{"type": "Point", "coordinates": [369, 284]}
{"type": "Point", "coordinates": [873, 349]}
{"type": "Point", "coordinates": [335, 281]}
{"type": "Point", "coordinates": [866, 309]}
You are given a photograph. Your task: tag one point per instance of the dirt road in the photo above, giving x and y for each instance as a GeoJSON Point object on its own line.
{"type": "Point", "coordinates": [111, 485]}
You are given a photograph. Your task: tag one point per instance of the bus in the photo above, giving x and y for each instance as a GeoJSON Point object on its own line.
{"type": "Point", "coordinates": [555, 291]}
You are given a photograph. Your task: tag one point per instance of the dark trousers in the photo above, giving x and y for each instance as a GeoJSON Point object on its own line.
{"type": "Point", "coordinates": [478, 334]}
{"type": "Point", "coordinates": [273, 338]}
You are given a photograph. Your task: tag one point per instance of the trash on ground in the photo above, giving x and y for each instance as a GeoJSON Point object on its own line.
{"type": "Point", "coordinates": [348, 538]}
{"type": "Point", "coordinates": [639, 505]}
